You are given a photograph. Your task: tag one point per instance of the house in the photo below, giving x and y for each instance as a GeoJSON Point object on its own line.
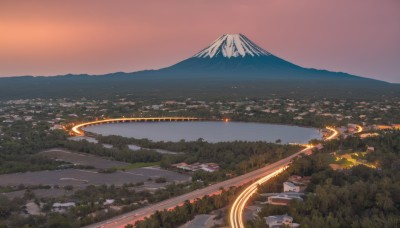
{"type": "Point", "coordinates": [367, 135]}
{"type": "Point", "coordinates": [289, 186]}
{"type": "Point", "coordinates": [183, 166]}
{"type": "Point", "coordinates": [282, 199]}
{"type": "Point", "coordinates": [351, 128]}
{"type": "Point", "coordinates": [298, 180]}
{"type": "Point", "coordinates": [108, 202]}
{"type": "Point", "coordinates": [210, 167]}
{"type": "Point", "coordinates": [56, 127]}
{"type": "Point", "coordinates": [276, 221]}
{"type": "Point", "coordinates": [62, 207]}
{"type": "Point", "coordinates": [370, 149]}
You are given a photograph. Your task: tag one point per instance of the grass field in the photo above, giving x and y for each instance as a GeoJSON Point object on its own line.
{"type": "Point", "coordinates": [138, 165]}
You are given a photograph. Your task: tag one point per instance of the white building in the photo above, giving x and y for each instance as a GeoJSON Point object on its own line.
{"type": "Point", "coordinates": [109, 202]}
{"type": "Point", "coordinates": [276, 221]}
{"type": "Point", "coordinates": [282, 199]}
{"type": "Point", "coordinates": [289, 186]}
{"type": "Point", "coordinates": [62, 207]}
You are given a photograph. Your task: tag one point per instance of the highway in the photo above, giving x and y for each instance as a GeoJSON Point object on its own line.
{"type": "Point", "coordinates": [262, 175]}
{"type": "Point", "coordinates": [132, 217]}
{"type": "Point", "coordinates": [236, 212]}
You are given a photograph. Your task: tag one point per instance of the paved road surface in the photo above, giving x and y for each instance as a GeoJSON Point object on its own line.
{"type": "Point", "coordinates": [133, 216]}
{"type": "Point", "coordinates": [236, 212]}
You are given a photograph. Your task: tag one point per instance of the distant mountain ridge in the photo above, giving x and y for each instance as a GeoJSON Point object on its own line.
{"type": "Point", "coordinates": [236, 56]}
{"type": "Point", "coordinates": [232, 65]}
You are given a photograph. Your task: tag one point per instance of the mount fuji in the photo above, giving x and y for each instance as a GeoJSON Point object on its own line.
{"type": "Point", "coordinates": [232, 65]}
{"type": "Point", "coordinates": [234, 56]}
{"type": "Point", "coordinates": [231, 46]}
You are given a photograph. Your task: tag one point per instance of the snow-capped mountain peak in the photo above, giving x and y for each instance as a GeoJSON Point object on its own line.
{"type": "Point", "coordinates": [232, 45]}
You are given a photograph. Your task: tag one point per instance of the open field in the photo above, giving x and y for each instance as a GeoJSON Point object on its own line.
{"type": "Point", "coordinates": [81, 178]}
{"type": "Point", "coordinates": [139, 165]}
{"type": "Point", "coordinates": [82, 159]}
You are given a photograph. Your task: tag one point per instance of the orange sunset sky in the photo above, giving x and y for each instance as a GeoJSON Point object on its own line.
{"type": "Point", "coordinates": [53, 37]}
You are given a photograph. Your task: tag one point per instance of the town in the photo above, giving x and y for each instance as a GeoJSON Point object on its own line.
{"type": "Point", "coordinates": [105, 165]}
{"type": "Point", "coordinates": [59, 113]}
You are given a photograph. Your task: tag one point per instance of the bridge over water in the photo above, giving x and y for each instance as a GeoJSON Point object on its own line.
{"type": "Point", "coordinates": [77, 129]}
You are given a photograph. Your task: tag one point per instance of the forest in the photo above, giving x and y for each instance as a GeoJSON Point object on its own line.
{"type": "Point", "coordinates": [20, 143]}
{"type": "Point", "coordinates": [236, 157]}
{"type": "Point", "coordinates": [358, 197]}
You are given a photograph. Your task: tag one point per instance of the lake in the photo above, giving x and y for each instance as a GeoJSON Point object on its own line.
{"type": "Point", "coordinates": [210, 131]}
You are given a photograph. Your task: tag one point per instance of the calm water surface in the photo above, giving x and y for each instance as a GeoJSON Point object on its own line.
{"type": "Point", "coordinates": [209, 131]}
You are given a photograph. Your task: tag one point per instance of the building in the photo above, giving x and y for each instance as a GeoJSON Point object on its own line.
{"type": "Point", "coordinates": [62, 207]}
{"type": "Point", "coordinates": [210, 167]}
{"type": "Point", "coordinates": [183, 166]}
{"type": "Point", "coordinates": [367, 135]}
{"type": "Point", "coordinates": [108, 202]}
{"type": "Point", "coordinates": [207, 167]}
{"type": "Point", "coordinates": [282, 199]}
{"type": "Point", "coordinates": [296, 183]}
{"type": "Point", "coordinates": [289, 186]}
{"type": "Point", "coordinates": [370, 149]}
{"type": "Point", "coordinates": [276, 221]}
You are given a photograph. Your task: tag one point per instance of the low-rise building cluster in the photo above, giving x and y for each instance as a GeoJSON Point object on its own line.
{"type": "Point", "coordinates": [207, 167]}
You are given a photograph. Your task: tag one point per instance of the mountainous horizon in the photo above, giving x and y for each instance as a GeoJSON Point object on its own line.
{"type": "Point", "coordinates": [229, 54]}
{"type": "Point", "coordinates": [232, 65]}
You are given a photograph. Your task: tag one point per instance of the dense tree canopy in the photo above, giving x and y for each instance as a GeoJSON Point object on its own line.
{"type": "Point", "coordinates": [359, 197]}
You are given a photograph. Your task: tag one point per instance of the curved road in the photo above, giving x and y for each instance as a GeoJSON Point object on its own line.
{"type": "Point", "coordinates": [261, 174]}
{"type": "Point", "coordinates": [236, 212]}
{"type": "Point", "coordinates": [76, 130]}
{"type": "Point", "coordinates": [132, 217]}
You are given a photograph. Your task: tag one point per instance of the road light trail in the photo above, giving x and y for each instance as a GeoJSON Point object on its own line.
{"type": "Point", "coordinates": [240, 202]}
{"type": "Point", "coordinates": [141, 213]}
{"type": "Point", "coordinates": [77, 129]}
{"type": "Point", "coordinates": [236, 212]}
{"type": "Point", "coordinates": [359, 128]}
{"type": "Point", "coordinates": [334, 134]}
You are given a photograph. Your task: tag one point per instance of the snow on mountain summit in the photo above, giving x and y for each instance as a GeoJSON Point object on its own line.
{"type": "Point", "coordinates": [232, 45]}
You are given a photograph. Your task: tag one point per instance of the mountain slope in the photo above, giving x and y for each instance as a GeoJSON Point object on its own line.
{"type": "Point", "coordinates": [231, 54]}
{"type": "Point", "coordinates": [234, 56]}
